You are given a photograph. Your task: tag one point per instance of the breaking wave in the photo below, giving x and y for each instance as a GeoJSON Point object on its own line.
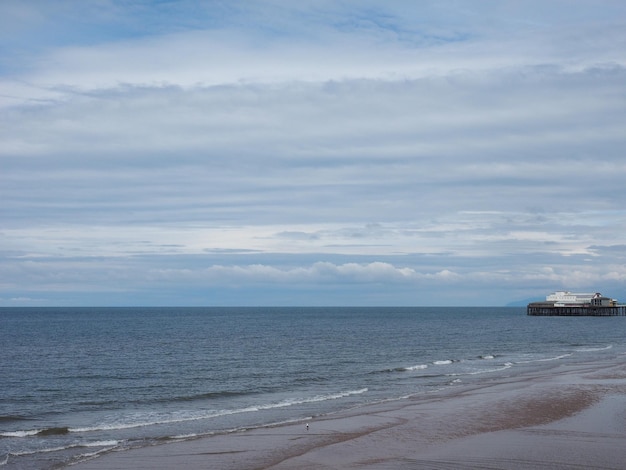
{"type": "Point", "coordinates": [153, 419]}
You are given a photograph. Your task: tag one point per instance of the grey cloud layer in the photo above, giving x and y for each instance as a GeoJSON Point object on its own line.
{"type": "Point", "coordinates": [355, 147]}
{"type": "Point", "coordinates": [406, 160]}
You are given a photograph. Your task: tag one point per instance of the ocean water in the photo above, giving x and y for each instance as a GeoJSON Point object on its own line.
{"type": "Point", "coordinates": [77, 382]}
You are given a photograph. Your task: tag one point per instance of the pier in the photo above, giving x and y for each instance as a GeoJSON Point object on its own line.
{"type": "Point", "coordinates": [546, 309]}
{"type": "Point", "coordinates": [568, 304]}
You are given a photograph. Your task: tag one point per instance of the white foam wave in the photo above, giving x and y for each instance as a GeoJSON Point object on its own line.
{"type": "Point", "coordinates": [417, 367]}
{"type": "Point", "coordinates": [90, 455]}
{"type": "Point", "coordinates": [47, 450]}
{"type": "Point", "coordinates": [443, 363]}
{"type": "Point", "coordinates": [487, 356]}
{"type": "Point", "coordinates": [318, 398]}
{"type": "Point", "coordinates": [183, 437]}
{"type": "Point", "coordinates": [32, 432]}
{"type": "Point", "coordinates": [505, 366]}
{"type": "Point", "coordinates": [111, 443]}
{"type": "Point", "coordinates": [152, 419]}
{"type": "Point", "coordinates": [545, 359]}
{"type": "Point", "coordinates": [610, 346]}
{"type": "Point", "coordinates": [107, 445]}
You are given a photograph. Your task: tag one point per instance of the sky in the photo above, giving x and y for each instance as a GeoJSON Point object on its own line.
{"type": "Point", "coordinates": [347, 152]}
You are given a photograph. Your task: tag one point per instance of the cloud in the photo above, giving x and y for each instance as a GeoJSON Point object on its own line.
{"type": "Point", "coordinates": [268, 42]}
{"type": "Point", "coordinates": [460, 147]}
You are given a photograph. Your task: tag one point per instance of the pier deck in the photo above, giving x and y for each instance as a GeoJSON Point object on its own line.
{"type": "Point", "coordinates": [548, 309]}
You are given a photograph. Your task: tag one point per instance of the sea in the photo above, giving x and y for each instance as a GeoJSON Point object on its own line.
{"type": "Point", "coordinates": [79, 382]}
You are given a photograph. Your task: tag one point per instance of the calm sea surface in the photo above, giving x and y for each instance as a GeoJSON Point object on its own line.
{"type": "Point", "coordinates": [75, 382]}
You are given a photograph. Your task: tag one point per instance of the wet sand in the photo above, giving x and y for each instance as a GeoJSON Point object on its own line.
{"type": "Point", "coordinates": [567, 418]}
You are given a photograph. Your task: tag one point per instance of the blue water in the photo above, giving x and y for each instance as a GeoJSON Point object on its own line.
{"type": "Point", "coordinates": [79, 381]}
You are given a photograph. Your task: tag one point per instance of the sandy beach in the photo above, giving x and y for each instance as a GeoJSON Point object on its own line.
{"type": "Point", "coordinates": [568, 417]}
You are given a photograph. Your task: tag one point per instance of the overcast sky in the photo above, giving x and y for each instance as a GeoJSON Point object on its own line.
{"type": "Point", "coordinates": [278, 152]}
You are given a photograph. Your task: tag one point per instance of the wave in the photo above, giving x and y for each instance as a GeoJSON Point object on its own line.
{"type": "Point", "coordinates": [605, 348]}
{"type": "Point", "coordinates": [442, 362]}
{"type": "Point", "coordinates": [505, 366]}
{"type": "Point", "coordinates": [181, 417]}
{"type": "Point", "coordinates": [54, 431]}
{"type": "Point", "coordinates": [20, 433]}
{"type": "Point", "coordinates": [317, 398]}
{"type": "Point", "coordinates": [545, 359]}
{"type": "Point", "coordinates": [153, 419]}
{"type": "Point", "coordinates": [400, 369]}
{"type": "Point", "coordinates": [110, 443]}
{"type": "Point", "coordinates": [107, 445]}
{"type": "Point", "coordinates": [8, 418]}
{"type": "Point", "coordinates": [184, 437]}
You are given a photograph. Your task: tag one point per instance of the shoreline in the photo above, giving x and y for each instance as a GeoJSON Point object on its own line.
{"type": "Point", "coordinates": [569, 416]}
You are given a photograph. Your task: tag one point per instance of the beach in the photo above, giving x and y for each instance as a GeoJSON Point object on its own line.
{"type": "Point", "coordinates": [570, 416]}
